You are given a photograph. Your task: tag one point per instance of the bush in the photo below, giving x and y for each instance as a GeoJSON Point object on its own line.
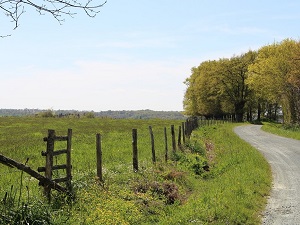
{"type": "Point", "coordinates": [89, 115]}
{"type": "Point", "coordinates": [47, 114]}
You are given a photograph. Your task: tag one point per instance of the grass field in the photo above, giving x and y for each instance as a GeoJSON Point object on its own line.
{"type": "Point", "coordinates": [282, 130]}
{"type": "Point", "coordinates": [181, 191]}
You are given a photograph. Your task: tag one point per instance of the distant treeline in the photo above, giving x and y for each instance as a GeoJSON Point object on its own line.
{"type": "Point", "coordinates": [124, 114]}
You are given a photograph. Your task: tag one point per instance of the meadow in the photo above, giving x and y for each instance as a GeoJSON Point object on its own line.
{"type": "Point", "coordinates": [214, 179]}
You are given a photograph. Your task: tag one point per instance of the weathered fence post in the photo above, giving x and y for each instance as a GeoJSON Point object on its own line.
{"type": "Point", "coordinates": [166, 144]}
{"type": "Point", "coordinates": [49, 161]}
{"type": "Point", "coordinates": [68, 162]}
{"type": "Point", "coordinates": [152, 144]}
{"type": "Point", "coordinates": [135, 151]}
{"type": "Point", "coordinates": [183, 132]}
{"type": "Point", "coordinates": [179, 137]}
{"type": "Point", "coordinates": [173, 138]}
{"type": "Point", "coordinates": [49, 168]}
{"type": "Point", "coordinates": [187, 129]}
{"type": "Point", "coordinates": [99, 157]}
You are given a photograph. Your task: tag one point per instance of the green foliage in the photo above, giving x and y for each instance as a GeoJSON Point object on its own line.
{"type": "Point", "coordinates": [46, 114]}
{"type": "Point", "coordinates": [274, 77]}
{"type": "Point", "coordinates": [28, 210]}
{"type": "Point", "coordinates": [195, 146]}
{"type": "Point", "coordinates": [265, 81]}
{"type": "Point", "coordinates": [89, 115]}
{"type": "Point", "coordinates": [218, 87]}
{"type": "Point", "coordinates": [234, 190]}
{"type": "Point", "coordinates": [192, 162]}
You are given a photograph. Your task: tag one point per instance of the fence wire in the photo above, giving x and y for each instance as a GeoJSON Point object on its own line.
{"type": "Point", "coordinates": [117, 150]}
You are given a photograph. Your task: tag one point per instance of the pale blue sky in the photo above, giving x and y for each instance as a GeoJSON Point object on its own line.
{"type": "Point", "coordinates": [135, 54]}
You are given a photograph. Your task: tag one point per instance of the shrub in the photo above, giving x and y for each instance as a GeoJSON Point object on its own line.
{"type": "Point", "coordinates": [46, 114]}
{"type": "Point", "coordinates": [89, 115]}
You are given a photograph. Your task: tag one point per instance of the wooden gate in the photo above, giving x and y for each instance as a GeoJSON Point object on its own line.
{"type": "Point", "coordinates": [50, 152]}
{"type": "Point", "coordinates": [46, 181]}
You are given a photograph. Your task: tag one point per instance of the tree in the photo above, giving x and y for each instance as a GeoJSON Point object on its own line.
{"type": "Point", "coordinates": [202, 94]}
{"type": "Point", "coordinates": [219, 87]}
{"type": "Point", "coordinates": [275, 79]}
{"type": "Point", "coordinates": [232, 76]}
{"type": "Point", "coordinates": [57, 8]}
{"type": "Point", "coordinates": [266, 81]}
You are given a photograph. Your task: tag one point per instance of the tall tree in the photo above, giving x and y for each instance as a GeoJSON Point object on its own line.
{"type": "Point", "coordinates": [232, 75]}
{"type": "Point", "coordinates": [202, 95]}
{"type": "Point", "coordinates": [218, 87]}
{"type": "Point", "coordinates": [274, 76]}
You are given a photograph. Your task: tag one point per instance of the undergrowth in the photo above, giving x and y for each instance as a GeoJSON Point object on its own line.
{"type": "Point", "coordinates": [235, 188]}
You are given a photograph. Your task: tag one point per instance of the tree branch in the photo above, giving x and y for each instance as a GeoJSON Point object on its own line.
{"type": "Point", "coordinates": [57, 8]}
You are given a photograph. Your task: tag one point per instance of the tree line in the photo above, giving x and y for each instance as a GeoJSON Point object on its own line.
{"type": "Point", "coordinates": [121, 114]}
{"type": "Point", "coordinates": [265, 82]}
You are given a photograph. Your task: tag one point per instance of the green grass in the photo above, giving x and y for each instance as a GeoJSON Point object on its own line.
{"type": "Point", "coordinates": [181, 191]}
{"type": "Point", "coordinates": [235, 189]}
{"type": "Point", "coordinates": [282, 130]}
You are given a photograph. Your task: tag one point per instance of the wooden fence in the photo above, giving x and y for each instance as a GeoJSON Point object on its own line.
{"type": "Point", "coordinates": [49, 167]}
{"type": "Point", "coordinates": [46, 181]}
{"type": "Point", "coordinates": [184, 133]}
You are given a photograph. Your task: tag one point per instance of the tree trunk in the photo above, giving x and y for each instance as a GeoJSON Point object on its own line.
{"type": "Point", "coordinates": [239, 110]}
{"type": "Point", "coordinates": [258, 112]}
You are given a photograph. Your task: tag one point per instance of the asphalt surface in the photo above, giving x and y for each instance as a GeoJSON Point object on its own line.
{"type": "Point", "coordinates": [283, 154]}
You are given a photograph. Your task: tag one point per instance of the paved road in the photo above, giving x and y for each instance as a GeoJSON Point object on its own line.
{"type": "Point", "coordinates": [283, 154]}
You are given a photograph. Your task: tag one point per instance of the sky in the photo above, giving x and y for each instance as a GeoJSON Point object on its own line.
{"type": "Point", "coordinates": [135, 54]}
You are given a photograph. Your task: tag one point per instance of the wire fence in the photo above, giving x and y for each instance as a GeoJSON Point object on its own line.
{"type": "Point", "coordinates": [154, 143]}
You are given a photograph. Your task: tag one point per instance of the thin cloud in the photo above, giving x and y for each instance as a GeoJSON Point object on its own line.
{"type": "Point", "coordinates": [93, 85]}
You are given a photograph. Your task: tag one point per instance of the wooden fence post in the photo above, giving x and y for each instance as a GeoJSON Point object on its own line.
{"type": "Point", "coordinates": [166, 144]}
{"type": "Point", "coordinates": [49, 162]}
{"type": "Point", "coordinates": [99, 157]}
{"type": "Point", "coordinates": [173, 138]}
{"type": "Point", "coordinates": [183, 132]}
{"type": "Point", "coordinates": [68, 162]}
{"type": "Point", "coordinates": [179, 137]}
{"type": "Point", "coordinates": [152, 144]}
{"type": "Point", "coordinates": [187, 129]}
{"type": "Point", "coordinates": [135, 151]}
{"type": "Point", "coordinates": [49, 168]}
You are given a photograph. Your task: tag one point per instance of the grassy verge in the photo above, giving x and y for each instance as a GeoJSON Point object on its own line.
{"type": "Point", "coordinates": [234, 190]}
{"type": "Point", "coordinates": [282, 130]}
{"type": "Point", "coordinates": [216, 179]}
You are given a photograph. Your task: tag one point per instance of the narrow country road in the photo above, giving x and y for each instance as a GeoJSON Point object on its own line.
{"type": "Point", "coordinates": [283, 154]}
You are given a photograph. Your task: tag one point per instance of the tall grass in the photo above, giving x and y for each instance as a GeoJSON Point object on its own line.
{"type": "Point", "coordinates": [234, 190]}
{"type": "Point", "coordinates": [215, 179]}
{"type": "Point", "coordinates": [289, 131]}
{"type": "Point", "coordinates": [22, 138]}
